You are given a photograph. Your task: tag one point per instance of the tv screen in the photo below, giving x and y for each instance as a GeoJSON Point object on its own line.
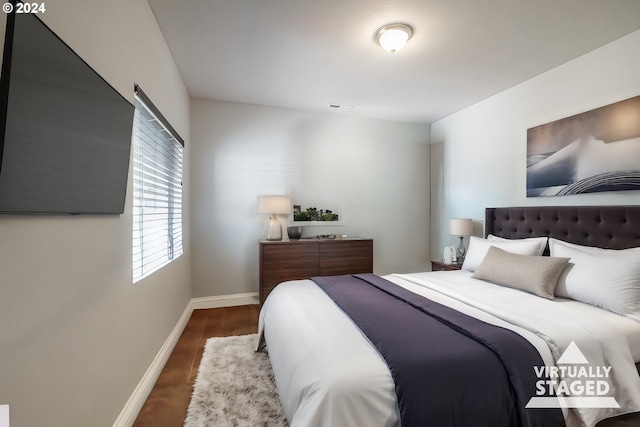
{"type": "Point", "coordinates": [65, 133]}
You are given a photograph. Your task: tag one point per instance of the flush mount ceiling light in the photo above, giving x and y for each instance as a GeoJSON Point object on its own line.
{"type": "Point", "coordinates": [393, 37]}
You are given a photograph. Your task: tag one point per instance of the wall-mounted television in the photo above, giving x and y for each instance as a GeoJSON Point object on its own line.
{"type": "Point", "coordinates": [65, 133]}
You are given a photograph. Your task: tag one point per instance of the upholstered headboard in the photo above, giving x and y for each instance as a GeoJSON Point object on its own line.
{"type": "Point", "coordinates": [611, 227]}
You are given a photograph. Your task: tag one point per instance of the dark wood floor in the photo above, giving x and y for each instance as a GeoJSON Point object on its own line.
{"type": "Point", "coordinates": [167, 404]}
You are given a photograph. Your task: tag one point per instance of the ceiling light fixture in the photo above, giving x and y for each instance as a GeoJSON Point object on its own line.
{"type": "Point", "coordinates": [393, 37]}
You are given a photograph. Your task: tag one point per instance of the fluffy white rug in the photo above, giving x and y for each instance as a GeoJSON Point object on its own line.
{"type": "Point", "coordinates": [234, 387]}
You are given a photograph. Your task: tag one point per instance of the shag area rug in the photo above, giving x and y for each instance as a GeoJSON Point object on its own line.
{"type": "Point", "coordinates": [234, 386]}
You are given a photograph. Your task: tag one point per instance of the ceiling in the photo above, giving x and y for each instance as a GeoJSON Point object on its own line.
{"type": "Point", "coordinates": [308, 54]}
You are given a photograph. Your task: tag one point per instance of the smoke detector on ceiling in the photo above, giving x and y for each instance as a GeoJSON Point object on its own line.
{"type": "Point", "coordinates": [341, 106]}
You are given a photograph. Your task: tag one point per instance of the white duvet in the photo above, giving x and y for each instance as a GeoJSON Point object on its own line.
{"type": "Point", "coordinates": [328, 374]}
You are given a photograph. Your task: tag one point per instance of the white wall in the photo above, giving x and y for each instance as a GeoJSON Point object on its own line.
{"type": "Point", "coordinates": [376, 173]}
{"type": "Point", "coordinates": [479, 154]}
{"type": "Point", "coordinates": [76, 336]}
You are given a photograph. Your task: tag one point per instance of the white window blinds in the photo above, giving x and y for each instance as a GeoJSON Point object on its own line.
{"type": "Point", "coordinates": [157, 189]}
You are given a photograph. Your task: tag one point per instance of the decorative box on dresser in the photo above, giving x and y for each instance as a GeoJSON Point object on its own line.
{"type": "Point", "coordinates": [305, 258]}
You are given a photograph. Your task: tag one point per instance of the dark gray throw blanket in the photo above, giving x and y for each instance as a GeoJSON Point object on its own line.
{"type": "Point", "coordinates": [449, 369]}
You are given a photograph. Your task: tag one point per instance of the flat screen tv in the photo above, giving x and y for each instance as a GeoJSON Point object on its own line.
{"type": "Point", "coordinates": [65, 133]}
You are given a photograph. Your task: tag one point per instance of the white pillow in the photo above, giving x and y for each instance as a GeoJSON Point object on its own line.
{"type": "Point", "coordinates": [541, 240]}
{"type": "Point", "coordinates": [607, 280]}
{"type": "Point", "coordinates": [554, 243]}
{"type": "Point", "coordinates": [478, 248]}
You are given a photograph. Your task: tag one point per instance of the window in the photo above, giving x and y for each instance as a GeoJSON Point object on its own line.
{"type": "Point", "coordinates": [157, 189]}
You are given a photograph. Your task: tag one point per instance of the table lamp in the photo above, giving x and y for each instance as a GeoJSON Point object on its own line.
{"type": "Point", "coordinates": [274, 205]}
{"type": "Point", "coordinates": [461, 227]}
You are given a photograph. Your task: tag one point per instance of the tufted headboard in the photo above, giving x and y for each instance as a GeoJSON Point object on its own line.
{"type": "Point", "coordinates": [611, 227]}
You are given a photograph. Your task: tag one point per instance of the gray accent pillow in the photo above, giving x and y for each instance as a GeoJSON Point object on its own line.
{"type": "Point", "coordinates": [535, 274]}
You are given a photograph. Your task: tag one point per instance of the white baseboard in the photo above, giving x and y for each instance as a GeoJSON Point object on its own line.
{"type": "Point", "coordinates": [131, 409]}
{"type": "Point", "coordinates": [225, 300]}
{"type": "Point", "coordinates": [133, 406]}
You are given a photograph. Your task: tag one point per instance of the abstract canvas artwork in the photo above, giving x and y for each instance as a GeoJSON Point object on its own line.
{"type": "Point", "coordinates": [598, 150]}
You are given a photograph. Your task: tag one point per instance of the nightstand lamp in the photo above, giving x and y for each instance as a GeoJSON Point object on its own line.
{"type": "Point", "coordinates": [461, 228]}
{"type": "Point", "coordinates": [274, 205]}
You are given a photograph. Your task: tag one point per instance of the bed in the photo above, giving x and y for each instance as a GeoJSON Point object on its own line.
{"type": "Point", "coordinates": [329, 373]}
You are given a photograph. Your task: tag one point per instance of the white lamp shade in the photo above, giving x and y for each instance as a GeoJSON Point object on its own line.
{"type": "Point", "coordinates": [274, 204]}
{"type": "Point", "coordinates": [460, 227]}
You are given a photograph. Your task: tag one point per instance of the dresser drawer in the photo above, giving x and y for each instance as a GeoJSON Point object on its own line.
{"type": "Point", "coordinates": [346, 257]}
{"type": "Point", "coordinates": [282, 261]}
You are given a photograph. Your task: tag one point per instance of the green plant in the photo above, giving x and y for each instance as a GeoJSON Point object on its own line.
{"type": "Point", "coordinates": [329, 216]}
{"type": "Point", "coordinates": [313, 214]}
{"type": "Point", "coordinates": [301, 216]}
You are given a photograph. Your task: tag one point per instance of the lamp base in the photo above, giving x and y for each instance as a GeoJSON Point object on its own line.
{"type": "Point", "coordinates": [274, 229]}
{"type": "Point", "coordinates": [462, 251]}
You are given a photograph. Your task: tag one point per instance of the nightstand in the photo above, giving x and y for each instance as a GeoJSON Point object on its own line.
{"type": "Point", "coordinates": [440, 266]}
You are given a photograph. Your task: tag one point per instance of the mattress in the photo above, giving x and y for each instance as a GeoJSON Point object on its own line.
{"type": "Point", "coordinates": [629, 328]}
{"type": "Point", "coordinates": [328, 374]}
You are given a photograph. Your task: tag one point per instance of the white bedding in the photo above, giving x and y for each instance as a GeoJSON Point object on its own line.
{"type": "Point", "coordinates": [328, 374]}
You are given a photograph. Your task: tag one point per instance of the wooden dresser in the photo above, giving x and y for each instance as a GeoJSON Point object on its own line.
{"type": "Point", "coordinates": [305, 258]}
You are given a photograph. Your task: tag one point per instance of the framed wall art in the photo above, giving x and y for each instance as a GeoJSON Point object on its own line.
{"type": "Point", "coordinates": [594, 151]}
